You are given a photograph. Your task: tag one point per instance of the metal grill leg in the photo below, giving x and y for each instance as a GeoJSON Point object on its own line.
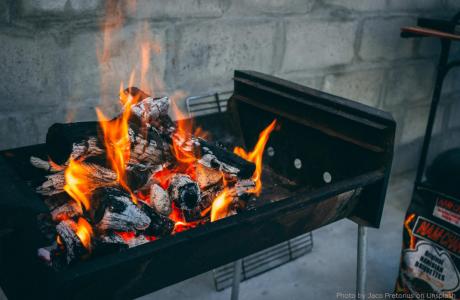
{"type": "Point", "coordinates": [236, 279]}
{"type": "Point", "coordinates": [361, 270]}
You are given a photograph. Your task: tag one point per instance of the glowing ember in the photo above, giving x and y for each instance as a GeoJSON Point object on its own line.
{"type": "Point", "coordinates": [84, 233]}
{"type": "Point", "coordinates": [256, 156]}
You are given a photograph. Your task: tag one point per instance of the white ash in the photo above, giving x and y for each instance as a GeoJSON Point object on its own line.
{"type": "Point", "coordinates": [150, 109]}
{"type": "Point", "coordinates": [123, 215]}
{"type": "Point", "coordinates": [159, 200]}
{"type": "Point", "coordinates": [54, 184]}
{"type": "Point", "coordinates": [209, 160]}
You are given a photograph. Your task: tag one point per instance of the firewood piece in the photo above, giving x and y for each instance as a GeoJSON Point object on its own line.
{"type": "Point", "coordinates": [184, 191]}
{"type": "Point", "coordinates": [216, 157]}
{"type": "Point", "coordinates": [159, 200]}
{"type": "Point", "coordinates": [137, 241]}
{"type": "Point", "coordinates": [207, 177]}
{"type": "Point", "coordinates": [243, 187]}
{"type": "Point", "coordinates": [113, 209]}
{"type": "Point", "coordinates": [160, 225]}
{"type": "Point", "coordinates": [54, 184]}
{"type": "Point", "coordinates": [45, 165]}
{"type": "Point", "coordinates": [150, 109]}
{"type": "Point", "coordinates": [109, 242]}
{"type": "Point", "coordinates": [87, 148]}
{"type": "Point", "coordinates": [98, 175]}
{"type": "Point", "coordinates": [74, 248]}
{"type": "Point", "coordinates": [186, 195]}
{"type": "Point", "coordinates": [137, 176]}
{"type": "Point", "coordinates": [66, 211]}
{"type": "Point", "coordinates": [61, 138]}
{"type": "Point", "coordinates": [148, 149]}
{"type": "Point", "coordinates": [52, 255]}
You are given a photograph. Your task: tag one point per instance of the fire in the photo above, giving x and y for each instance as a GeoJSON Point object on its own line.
{"type": "Point", "coordinates": [220, 205]}
{"type": "Point", "coordinates": [409, 219]}
{"type": "Point", "coordinates": [84, 233]}
{"type": "Point", "coordinates": [256, 156]}
{"type": "Point", "coordinates": [77, 183]}
{"type": "Point", "coordinates": [117, 142]}
{"type": "Point", "coordinates": [182, 145]}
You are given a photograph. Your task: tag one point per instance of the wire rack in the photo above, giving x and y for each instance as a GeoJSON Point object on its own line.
{"type": "Point", "coordinates": [269, 258]}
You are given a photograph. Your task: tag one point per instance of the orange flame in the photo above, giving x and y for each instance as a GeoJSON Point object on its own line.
{"type": "Point", "coordinates": [77, 183]}
{"type": "Point", "coordinates": [256, 156]}
{"type": "Point", "coordinates": [182, 149]}
{"type": "Point", "coordinates": [220, 205]}
{"type": "Point", "coordinates": [409, 219]}
{"type": "Point", "coordinates": [84, 233]}
{"type": "Point", "coordinates": [117, 143]}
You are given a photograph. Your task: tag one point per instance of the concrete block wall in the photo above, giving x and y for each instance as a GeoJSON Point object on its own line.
{"type": "Point", "coordinates": [50, 72]}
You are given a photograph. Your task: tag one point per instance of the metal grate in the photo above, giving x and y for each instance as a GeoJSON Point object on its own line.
{"type": "Point", "coordinates": [265, 260]}
{"type": "Point", "coordinates": [269, 258]}
{"type": "Point", "coordinates": [207, 104]}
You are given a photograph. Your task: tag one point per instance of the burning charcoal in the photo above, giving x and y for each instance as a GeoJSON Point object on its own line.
{"type": "Point", "coordinates": [87, 148]}
{"type": "Point", "coordinates": [207, 177]}
{"type": "Point", "coordinates": [54, 184]}
{"type": "Point", "coordinates": [45, 165]}
{"type": "Point", "coordinates": [136, 93]}
{"type": "Point", "coordinates": [99, 175]}
{"type": "Point", "coordinates": [137, 240]}
{"type": "Point", "coordinates": [68, 210]}
{"type": "Point", "coordinates": [150, 149]}
{"type": "Point", "coordinates": [185, 193]}
{"type": "Point", "coordinates": [216, 157]}
{"type": "Point", "coordinates": [114, 210]}
{"type": "Point", "coordinates": [52, 255]}
{"type": "Point", "coordinates": [137, 176]}
{"type": "Point", "coordinates": [159, 200]}
{"type": "Point", "coordinates": [244, 186]}
{"type": "Point", "coordinates": [109, 242]}
{"type": "Point", "coordinates": [67, 232]}
{"type": "Point", "coordinates": [150, 109]}
{"type": "Point", "coordinates": [160, 225]}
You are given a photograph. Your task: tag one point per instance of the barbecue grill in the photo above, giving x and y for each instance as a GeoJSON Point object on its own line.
{"type": "Point", "coordinates": [329, 160]}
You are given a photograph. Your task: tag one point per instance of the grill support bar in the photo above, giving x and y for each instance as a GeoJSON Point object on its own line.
{"type": "Point", "coordinates": [361, 265]}
{"type": "Point", "coordinates": [236, 279]}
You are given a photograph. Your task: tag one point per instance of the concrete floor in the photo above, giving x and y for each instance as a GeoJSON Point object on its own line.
{"type": "Point", "coordinates": [329, 269]}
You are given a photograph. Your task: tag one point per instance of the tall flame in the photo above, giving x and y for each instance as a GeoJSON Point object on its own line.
{"type": "Point", "coordinates": [77, 183]}
{"type": "Point", "coordinates": [256, 156]}
{"type": "Point", "coordinates": [84, 232]}
{"type": "Point", "coordinates": [117, 142]}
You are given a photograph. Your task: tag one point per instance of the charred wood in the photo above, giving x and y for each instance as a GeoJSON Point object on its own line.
{"type": "Point", "coordinates": [66, 211]}
{"type": "Point", "coordinates": [67, 232]}
{"type": "Point", "coordinates": [61, 138]}
{"type": "Point", "coordinates": [159, 200]}
{"type": "Point", "coordinates": [113, 209]}
{"type": "Point", "coordinates": [160, 225]}
{"type": "Point", "coordinates": [219, 158]}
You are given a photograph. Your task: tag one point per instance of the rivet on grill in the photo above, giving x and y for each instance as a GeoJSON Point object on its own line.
{"type": "Point", "coordinates": [271, 151]}
{"type": "Point", "coordinates": [327, 177]}
{"type": "Point", "coordinates": [297, 163]}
